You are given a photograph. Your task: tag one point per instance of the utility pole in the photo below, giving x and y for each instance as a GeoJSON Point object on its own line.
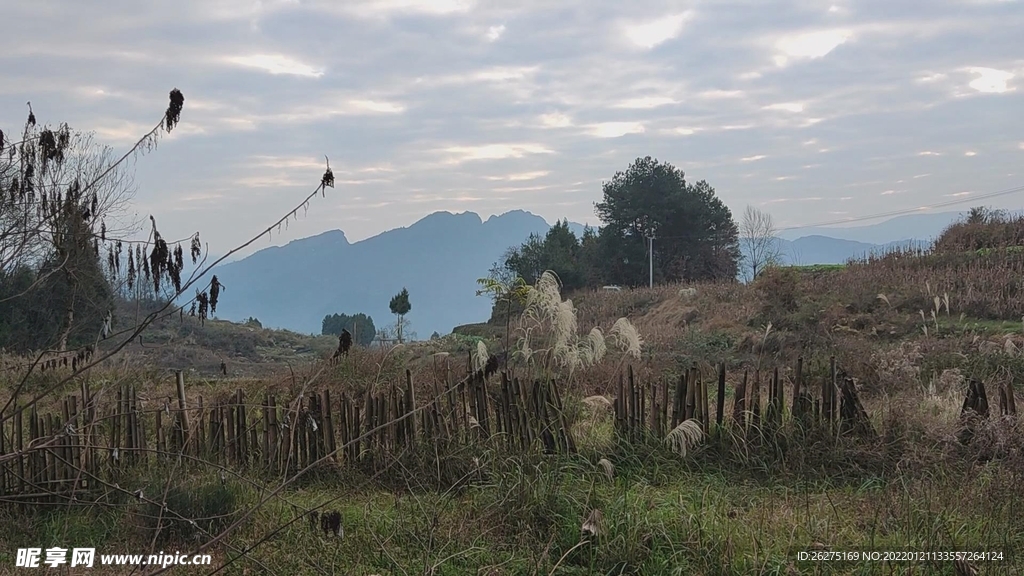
{"type": "Point", "coordinates": [650, 256]}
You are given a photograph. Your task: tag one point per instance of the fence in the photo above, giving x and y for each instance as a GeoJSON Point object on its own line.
{"type": "Point", "coordinates": [659, 407]}
{"type": "Point", "coordinates": [85, 447]}
{"type": "Point", "coordinates": [49, 457]}
{"type": "Point", "coordinates": [834, 405]}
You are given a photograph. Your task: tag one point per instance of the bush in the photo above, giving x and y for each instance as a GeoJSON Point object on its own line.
{"type": "Point", "coordinates": [779, 291]}
{"type": "Point", "coordinates": [709, 345]}
{"type": "Point", "coordinates": [191, 512]}
{"type": "Point", "coordinates": [897, 368]}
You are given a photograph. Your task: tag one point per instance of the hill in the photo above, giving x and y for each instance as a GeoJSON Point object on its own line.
{"type": "Point", "coordinates": [438, 259]}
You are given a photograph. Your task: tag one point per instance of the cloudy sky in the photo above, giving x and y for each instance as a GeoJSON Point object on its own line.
{"type": "Point", "coordinates": [814, 111]}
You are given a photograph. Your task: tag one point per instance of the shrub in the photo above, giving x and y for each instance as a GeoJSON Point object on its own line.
{"type": "Point", "coordinates": [709, 345]}
{"type": "Point", "coordinates": [897, 367]}
{"type": "Point", "coordinates": [779, 291]}
{"type": "Point", "coordinates": [191, 512]}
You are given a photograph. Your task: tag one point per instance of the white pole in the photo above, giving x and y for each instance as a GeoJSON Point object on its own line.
{"type": "Point", "coordinates": [651, 260]}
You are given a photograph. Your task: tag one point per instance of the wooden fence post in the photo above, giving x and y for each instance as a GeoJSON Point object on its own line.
{"type": "Point", "coordinates": [720, 404]}
{"type": "Point", "coordinates": [179, 377]}
{"type": "Point", "coordinates": [739, 402]}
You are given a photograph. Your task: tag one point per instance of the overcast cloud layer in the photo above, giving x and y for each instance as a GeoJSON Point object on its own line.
{"type": "Point", "coordinates": [814, 111]}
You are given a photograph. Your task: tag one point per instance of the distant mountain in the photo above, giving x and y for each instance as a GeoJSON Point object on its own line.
{"type": "Point", "coordinates": [438, 259]}
{"type": "Point", "coordinates": [817, 249]}
{"type": "Point", "coordinates": [922, 227]}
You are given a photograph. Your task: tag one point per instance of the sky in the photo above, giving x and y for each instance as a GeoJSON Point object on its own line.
{"type": "Point", "coordinates": [812, 111]}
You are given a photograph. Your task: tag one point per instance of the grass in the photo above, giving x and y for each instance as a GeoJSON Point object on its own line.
{"type": "Point", "coordinates": [661, 515]}
{"type": "Point", "coordinates": [818, 268]}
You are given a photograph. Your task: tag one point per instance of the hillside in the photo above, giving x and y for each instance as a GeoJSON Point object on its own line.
{"type": "Point", "coordinates": [937, 312]}
{"type": "Point", "coordinates": [247, 349]}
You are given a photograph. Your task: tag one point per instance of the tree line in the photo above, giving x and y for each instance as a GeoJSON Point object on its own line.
{"type": "Point", "coordinates": [361, 328]}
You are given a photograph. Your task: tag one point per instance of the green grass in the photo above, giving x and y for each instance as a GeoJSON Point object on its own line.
{"type": "Point", "coordinates": [818, 268]}
{"type": "Point", "coordinates": [523, 515]}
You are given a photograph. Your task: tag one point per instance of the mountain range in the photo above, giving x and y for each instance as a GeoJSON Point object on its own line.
{"type": "Point", "coordinates": [440, 257]}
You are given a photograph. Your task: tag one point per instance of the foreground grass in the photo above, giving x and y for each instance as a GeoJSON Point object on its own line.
{"type": "Point", "coordinates": [711, 513]}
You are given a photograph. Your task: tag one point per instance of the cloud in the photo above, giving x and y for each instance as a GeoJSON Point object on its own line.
{"type": "Point", "coordinates": [284, 162]}
{"type": "Point", "coordinates": [615, 129]}
{"type": "Point", "coordinates": [276, 64]}
{"type": "Point", "coordinates": [459, 154]}
{"type": "Point", "coordinates": [931, 77]}
{"type": "Point", "coordinates": [646, 102]}
{"type": "Point", "coordinates": [521, 176]}
{"type": "Point", "coordinates": [505, 73]}
{"type": "Point", "coordinates": [787, 107]}
{"type": "Point", "coordinates": [495, 32]}
{"type": "Point", "coordinates": [377, 106]}
{"type": "Point", "coordinates": [753, 158]}
{"type": "Point", "coordinates": [809, 45]}
{"type": "Point", "coordinates": [717, 94]}
{"type": "Point", "coordinates": [990, 80]}
{"type": "Point", "coordinates": [970, 153]}
{"type": "Point", "coordinates": [555, 120]}
{"type": "Point", "coordinates": [384, 8]}
{"type": "Point", "coordinates": [652, 33]}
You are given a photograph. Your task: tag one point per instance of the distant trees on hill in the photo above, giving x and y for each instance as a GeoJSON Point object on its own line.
{"type": "Point", "coordinates": [695, 236]}
{"type": "Point", "coordinates": [359, 325]}
{"type": "Point", "coordinates": [573, 259]}
{"type": "Point", "coordinates": [982, 228]}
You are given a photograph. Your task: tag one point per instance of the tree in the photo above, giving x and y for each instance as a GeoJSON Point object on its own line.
{"type": "Point", "coordinates": [507, 290]}
{"type": "Point", "coordinates": [359, 325]}
{"type": "Point", "coordinates": [400, 306]}
{"type": "Point", "coordinates": [63, 228]}
{"type": "Point", "coordinates": [559, 251]}
{"type": "Point", "coordinates": [527, 259]}
{"type": "Point", "coordinates": [590, 258]}
{"type": "Point", "coordinates": [695, 235]}
{"type": "Point", "coordinates": [760, 246]}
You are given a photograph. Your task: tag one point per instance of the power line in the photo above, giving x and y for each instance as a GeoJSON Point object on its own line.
{"type": "Point", "coordinates": [901, 212]}
{"type": "Point", "coordinates": [912, 210]}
